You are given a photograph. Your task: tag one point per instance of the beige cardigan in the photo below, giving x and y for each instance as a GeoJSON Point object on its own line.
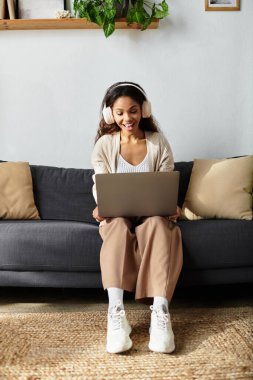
{"type": "Point", "coordinates": [107, 149]}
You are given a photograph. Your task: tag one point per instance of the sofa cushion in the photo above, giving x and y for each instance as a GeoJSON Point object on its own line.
{"type": "Point", "coordinates": [220, 189]}
{"type": "Point", "coordinates": [49, 246]}
{"type": "Point", "coordinates": [63, 194]}
{"type": "Point", "coordinates": [217, 244]}
{"type": "Point", "coordinates": [16, 192]}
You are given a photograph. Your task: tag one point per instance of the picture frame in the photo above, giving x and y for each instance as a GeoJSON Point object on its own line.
{"type": "Point", "coordinates": [222, 5]}
{"type": "Point", "coordinates": [39, 9]}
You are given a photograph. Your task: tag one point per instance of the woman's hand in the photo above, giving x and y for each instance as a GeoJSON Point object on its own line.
{"type": "Point", "coordinates": [96, 216]}
{"type": "Point", "coordinates": [178, 214]}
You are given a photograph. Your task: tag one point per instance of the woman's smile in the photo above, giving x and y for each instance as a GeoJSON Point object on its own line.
{"type": "Point", "coordinates": [129, 126]}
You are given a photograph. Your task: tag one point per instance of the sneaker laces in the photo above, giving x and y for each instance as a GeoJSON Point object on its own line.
{"type": "Point", "coordinates": [116, 316]}
{"type": "Point", "coordinates": [161, 317]}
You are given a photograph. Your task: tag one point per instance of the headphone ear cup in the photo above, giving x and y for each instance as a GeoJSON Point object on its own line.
{"type": "Point", "coordinates": [146, 109]}
{"type": "Point", "coordinates": [108, 116]}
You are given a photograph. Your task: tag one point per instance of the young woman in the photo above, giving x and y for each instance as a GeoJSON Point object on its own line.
{"type": "Point", "coordinates": [138, 254]}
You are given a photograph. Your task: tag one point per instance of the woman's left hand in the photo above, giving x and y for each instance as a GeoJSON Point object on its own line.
{"type": "Point", "coordinates": [178, 214]}
{"type": "Point", "coordinates": [96, 215]}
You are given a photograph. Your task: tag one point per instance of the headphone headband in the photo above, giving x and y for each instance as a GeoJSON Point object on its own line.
{"type": "Point", "coordinates": [133, 85]}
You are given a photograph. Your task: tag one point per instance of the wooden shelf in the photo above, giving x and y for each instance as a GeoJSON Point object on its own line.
{"type": "Point", "coordinates": [68, 23]}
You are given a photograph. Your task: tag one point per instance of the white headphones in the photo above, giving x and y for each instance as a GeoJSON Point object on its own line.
{"type": "Point", "coordinates": [146, 106]}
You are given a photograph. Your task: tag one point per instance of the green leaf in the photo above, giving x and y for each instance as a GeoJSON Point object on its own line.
{"type": "Point", "coordinates": [108, 27]}
{"type": "Point", "coordinates": [136, 13]}
{"type": "Point", "coordinates": [96, 16]}
{"type": "Point", "coordinates": [108, 4]}
{"type": "Point", "coordinates": [80, 9]}
{"type": "Point", "coordinates": [110, 13]}
{"type": "Point", "coordinates": [146, 23]}
{"type": "Point", "coordinates": [161, 13]}
{"type": "Point", "coordinates": [165, 7]}
{"type": "Point", "coordinates": [130, 16]}
{"type": "Point", "coordinates": [138, 16]}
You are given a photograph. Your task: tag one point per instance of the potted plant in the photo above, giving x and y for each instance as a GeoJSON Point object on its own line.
{"type": "Point", "coordinates": [105, 12]}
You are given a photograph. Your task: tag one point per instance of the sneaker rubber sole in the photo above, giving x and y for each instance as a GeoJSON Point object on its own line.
{"type": "Point", "coordinates": [162, 350]}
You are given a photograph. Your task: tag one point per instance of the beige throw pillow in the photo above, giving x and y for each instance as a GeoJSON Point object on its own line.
{"type": "Point", "coordinates": [16, 191]}
{"type": "Point", "coordinates": [220, 189]}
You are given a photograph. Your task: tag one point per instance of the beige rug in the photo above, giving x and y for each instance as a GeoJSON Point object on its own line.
{"type": "Point", "coordinates": [212, 343]}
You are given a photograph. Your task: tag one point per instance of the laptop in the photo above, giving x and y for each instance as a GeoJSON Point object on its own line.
{"type": "Point", "coordinates": [137, 194]}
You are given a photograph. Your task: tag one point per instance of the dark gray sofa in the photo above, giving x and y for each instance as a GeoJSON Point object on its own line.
{"type": "Point", "coordinates": [62, 249]}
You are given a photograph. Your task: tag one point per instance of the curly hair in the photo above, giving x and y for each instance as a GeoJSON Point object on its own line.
{"type": "Point", "coordinates": [112, 94]}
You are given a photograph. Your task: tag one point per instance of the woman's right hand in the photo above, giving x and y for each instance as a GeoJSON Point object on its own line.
{"type": "Point", "coordinates": [96, 216]}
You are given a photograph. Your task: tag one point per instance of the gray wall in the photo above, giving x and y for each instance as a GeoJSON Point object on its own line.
{"type": "Point", "coordinates": [197, 70]}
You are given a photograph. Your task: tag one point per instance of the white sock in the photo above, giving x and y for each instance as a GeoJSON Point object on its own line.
{"type": "Point", "coordinates": [161, 301]}
{"type": "Point", "coordinates": [115, 294]}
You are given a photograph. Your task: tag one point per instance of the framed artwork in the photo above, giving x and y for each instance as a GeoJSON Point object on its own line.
{"type": "Point", "coordinates": [222, 5]}
{"type": "Point", "coordinates": [32, 9]}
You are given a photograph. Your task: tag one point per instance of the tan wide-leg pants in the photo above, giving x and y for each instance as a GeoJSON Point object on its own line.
{"type": "Point", "coordinates": [142, 255]}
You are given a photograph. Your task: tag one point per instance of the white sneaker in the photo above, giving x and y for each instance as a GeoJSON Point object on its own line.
{"type": "Point", "coordinates": [118, 330]}
{"type": "Point", "coordinates": [161, 334]}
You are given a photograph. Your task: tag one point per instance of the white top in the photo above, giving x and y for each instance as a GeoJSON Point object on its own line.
{"type": "Point", "coordinates": [106, 153]}
{"type": "Point", "coordinates": [125, 167]}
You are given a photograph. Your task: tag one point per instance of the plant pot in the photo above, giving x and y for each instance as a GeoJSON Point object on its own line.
{"type": "Point", "coordinates": [69, 7]}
